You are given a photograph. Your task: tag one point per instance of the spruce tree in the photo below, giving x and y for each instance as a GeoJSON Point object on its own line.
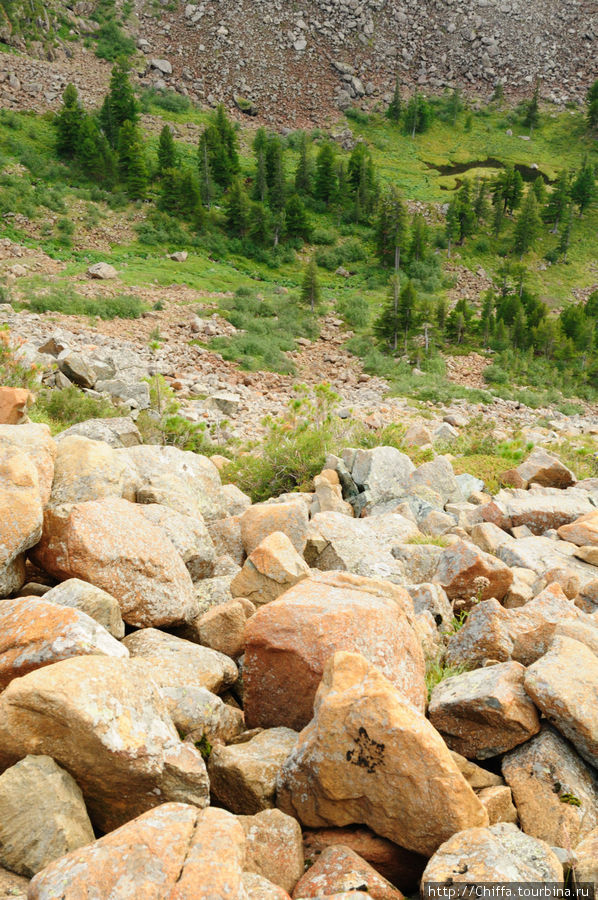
{"type": "Point", "coordinates": [390, 229]}
{"type": "Point", "coordinates": [565, 238]}
{"type": "Point", "coordinates": [326, 180]}
{"type": "Point", "coordinates": [260, 184]}
{"type": "Point", "coordinates": [480, 204]}
{"type": "Point", "coordinates": [167, 155]}
{"type": "Point", "coordinates": [455, 105]}
{"type": "Point", "coordinates": [419, 237]}
{"type": "Point", "coordinates": [259, 224]}
{"type": "Point", "coordinates": [532, 113]}
{"type": "Point", "coordinates": [275, 173]}
{"type": "Point", "coordinates": [206, 183]}
{"type": "Point", "coordinates": [539, 188]}
{"type": "Point", "coordinates": [558, 201]}
{"type": "Point", "coordinates": [528, 225]}
{"type": "Point", "coordinates": [398, 314]}
{"type": "Point", "coordinates": [418, 115]}
{"type": "Point", "coordinates": [583, 189]}
{"type": "Point", "coordinates": [119, 104]}
{"type": "Point", "coordinates": [310, 289]}
{"type": "Point", "coordinates": [260, 141]}
{"type": "Point", "coordinates": [237, 209]}
{"type": "Point", "coordinates": [465, 212]}
{"type": "Point", "coordinates": [218, 151]}
{"type": "Point", "coordinates": [94, 154]}
{"type": "Point", "coordinates": [68, 123]}
{"type": "Point", "coordinates": [131, 161]}
{"type": "Point", "coordinates": [303, 171]}
{"type": "Point", "coordinates": [395, 107]}
{"type": "Point", "coordinates": [296, 221]}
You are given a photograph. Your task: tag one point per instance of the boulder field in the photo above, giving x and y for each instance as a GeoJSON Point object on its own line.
{"type": "Point", "coordinates": [388, 682]}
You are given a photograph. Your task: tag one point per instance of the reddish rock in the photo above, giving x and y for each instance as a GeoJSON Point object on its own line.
{"type": "Point", "coordinates": [261, 520]}
{"type": "Point", "coordinates": [341, 869]}
{"type": "Point", "coordinates": [274, 847]}
{"type": "Point", "coordinates": [288, 641]}
{"type": "Point", "coordinates": [467, 573]}
{"type": "Point", "coordinates": [583, 532]}
{"type": "Point", "coordinates": [545, 469]}
{"type": "Point", "coordinates": [13, 405]}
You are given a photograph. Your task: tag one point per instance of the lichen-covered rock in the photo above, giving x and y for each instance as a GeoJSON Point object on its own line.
{"type": "Point", "coordinates": [35, 633]}
{"type": "Point", "coordinates": [272, 568]}
{"type": "Point", "coordinates": [189, 537]}
{"type": "Point", "coordinates": [175, 851]}
{"type": "Point", "coordinates": [263, 519]}
{"type": "Point", "coordinates": [555, 791]}
{"type": "Point", "coordinates": [341, 869]}
{"type": "Point", "coordinates": [243, 775]}
{"type": "Point", "coordinates": [586, 853]}
{"type": "Point", "coordinates": [583, 532]}
{"type": "Point", "coordinates": [42, 815]}
{"type": "Point", "coordinates": [540, 509]}
{"type": "Point", "coordinates": [93, 601]}
{"type": "Point", "coordinates": [36, 442]}
{"type": "Point", "coordinates": [103, 720]}
{"type": "Point", "coordinates": [22, 518]}
{"type": "Point", "coordinates": [274, 847]}
{"type": "Point", "coordinates": [564, 686]}
{"type": "Point", "coordinates": [370, 757]}
{"type": "Point", "coordinates": [545, 469]}
{"type": "Point", "coordinates": [87, 470]}
{"type": "Point", "coordinates": [485, 712]}
{"type": "Point", "coordinates": [499, 853]}
{"type": "Point", "coordinates": [288, 642]}
{"type": "Point", "coordinates": [467, 573]}
{"type": "Point", "coordinates": [438, 475]}
{"type": "Point", "coordinates": [112, 545]}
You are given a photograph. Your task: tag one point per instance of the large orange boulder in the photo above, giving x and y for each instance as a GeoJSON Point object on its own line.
{"type": "Point", "coordinates": [467, 573]}
{"type": "Point", "coordinates": [289, 641]}
{"type": "Point", "coordinates": [370, 757]}
{"type": "Point", "coordinates": [13, 405]}
{"type": "Point", "coordinates": [111, 544]}
{"type": "Point", "coordinates": [341, 869]}
{"type": "Point", "coordinates": [263, 519]}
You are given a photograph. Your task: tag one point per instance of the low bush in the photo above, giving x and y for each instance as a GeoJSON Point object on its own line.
{"type": "Point", "coordinates": [65, 300]}
{"type": "Point", "coordinates": [61, 408]}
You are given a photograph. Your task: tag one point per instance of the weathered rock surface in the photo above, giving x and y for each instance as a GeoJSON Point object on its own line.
{"type": "Point", "coordinates": [499, 853]}
{"type": "Point", "coordinates": [485, 712]}
{"type": "Point", "coordinates": [112, 545]}
{"type": "Point", "coordinates": [91, 600]}
{"type": "Point", "coordinates": [340, 869]}
{"type": "Point", "coordinates": [175, 851]}
{"type": "Point", "coordinates": [35, 633]}
{"type": "Point", "coordinates": [263, 519]}
{"type": "Point", "coordinates": [540, 509]}
{"type": "Point", "coordinates": [14, 403]}
{"type": "Point", "coordinates": [88, 470]}
{"type": "Point", "coordinates": [103, 721]}
{"type": "Point", "coordinates": [583, 532]}
{"type": "Point", "coordinates": [289, 641]}
{"type": "Point", "coordinates": [243, 776]}
{"type": "Point", "coordinates": [564, 686]}
{"type": "Point", "coordinates": [189, 537]}
{"type": "Point", "coordinates": [368, 756]}
{"type": "Point", "coordinates": [555, 791]}
{"type": "Point", "coordinates": [36, 442]}
{"type": "Point", "coordinates": [270, 570]}
{"type": "Point", "coordinates": [274, 847]}
{"type": "Point", "coordinates": [545, 469]}
{"type": "Point", "coordinates": [467, 573]}
{"type": "Point", "coordinates": [21, 524]}
{"type": "Point", "coordinates": [42, 815]}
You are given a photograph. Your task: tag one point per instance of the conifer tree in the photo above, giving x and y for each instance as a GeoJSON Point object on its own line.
{"type": "Point", "coordinates": [528, 224]}
{"type": "Point", "coordinates": [260, 141]}
{"type": "Point", "coordinates": [398, 314]}
{"type": "Point", "coordinates": [452, 224]}
{"type": "Point", "coordinates": [465, 212]}
{"type": "Point", "coordinates": [237, 209]}
{"type": "Point", "coordinates": [455, 105]}
{"type": "Point", "coordinates": [583, 189]}
{"type": "Point", "coordinates": [558, 201]}
{"type": "Point", "coordinates": [94, 154]}
{"type": "Point", "coordinates": [418, 115]}
{"type": "Point", "coordinates": [390, 231]}
{"type": "Point", "coordinates": [68, 123]}
{"type": "Point", "coordinates": [206, 183]}
{"type": "Point", "coordinates": [119, 104]}
{"type": "Point", "coordinates": [260, 184]}
{"type": "Point", "coordinates": [275, 173]}
{"type": "Point", "coordinates": [419, 237]}
{"type": "Point", "coordinates": [395, 107]}
{"type": "Point", "coordinates": [326, 180]}
{"type": "Point", "coordinates": [303, 172]}
{"type": "Point", "coordinates": [296, 221]}
{"type": "Point", "coordinates": [167, 155]}
{"type": "Point", "coordinates": [480, 204]}
{"type": "Point", "coordinates": [565, 238]}
{"type": "Point", "coordinates": [310, 289]}
{"type": "Point", "coordinates": [532, 113]}
{"type": "Point", "coordinates": [219, 145]}
{"type": "Point", "coordinates": [131, 161]}
{"type": "Point", "coordinates": [539, 188]}
{"type": "Point", "coordinates": [259, 224]}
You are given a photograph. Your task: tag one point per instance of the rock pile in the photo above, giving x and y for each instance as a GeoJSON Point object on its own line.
{"type": "Point", "coordinates": [386, 682]}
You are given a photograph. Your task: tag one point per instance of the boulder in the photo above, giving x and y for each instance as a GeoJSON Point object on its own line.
{"type": "Point", "coordinates": [586, 853]}
{"type": "Point", "coordinates": [235, 501]}
{"type": "Point", "coordinates": [226, 537]}
{"type": "Point", "coordinates": [200, 716]}
{"type": "Point", "coordinates": [189, 537]}
{"type": "Point", "coordinates": [498, 803]}
{"type": "Point", "coordinates": [76, 368]}
{"type": "Point", "coordinates": [383, 472]}
{"type": "Point", "coordinates": [223, 627]}
{"type": "Point", "coordinates": [21, 524]}
{"type": "Point", "coordinates": [42, 815]}
{"type": "Point", "coordinates": [540, 509]}
{"type": "Point", "coordinates": [260, 521]}
{"type": "Point", "coordinates": [14, 403]}
{"type": "Point", "coordinates": [564, 686]}
{"type": "Point", "coordinates": [545, 469]}
{"type": "Point", "coordinates": [328, 495]}
{"type": "Point", "coordinates": [433, 599]}
{"type": "Point", "coordinates": [35, 633]}
{"type": "Point", "coordinates": [181, 479]}
{"type": "Point", "coordinates": [243, 776]}
{"type": "Point", "coordinates": [87, 470]}
{"type": "Point", "coordinates": [583, 532]}
{"type": "Point", "coordinates": [177, 663]}
{"type": "Point", "coordinates": [468, 574]}
{"type": "Point", "coordinates": [340, 869]}
{"type": "Point", "coordinates": [92, 601]}
{"type": "Point", "coordinates": [360, 546]}
{"type": "Point", "coordinates": [438, 475]}
{"type": "Point", "coordinates": [117, 432]}
{"type": "Point", "coordinates": [288, 642]}
{"type": "Point", "coordinates": [270, 570]}
{"type": "Point", "coordinates": [104, 721]}
{"type": "Point", "coordinates": [370, 757]}
{"type": "Point", "coordinates": [13, 886]}
{"type": "Point", "coordinates": [475, 776]}
{"type": "Point", "coordinates": [555, 792]}
{"type": "Point", "coordinates": [485, 712]}
{"type": "Point", "coordinates": [112, 545]}
{"type": "Point", "coordinates": [417, 435]}
{"type": "Point", "coordinates": [500, 853]}
{"type": "Point", "coordinates": [399, 866]}
{"type": "Point", "coordinates": [174, 851]}
{"type": "Point", "coordinates": [259, 888]}
{"type": "Point", "coordinates": [274, 847]}
{"type": "Point", "coordinates": [523, 634]}
{"type": "Point", "coordinates": [36, 442]}
{"type": "Point", "coordinates": [102, 271]}
{"type": "Point", "coordinates": [543, 555]}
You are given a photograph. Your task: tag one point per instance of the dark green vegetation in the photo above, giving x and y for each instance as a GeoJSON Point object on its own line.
{"type": "Point", "coordinates": [293, 226]}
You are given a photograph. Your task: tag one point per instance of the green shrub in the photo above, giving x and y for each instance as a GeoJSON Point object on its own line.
{"type": "Point", "coordinates": [65, 300]}
{"type": "Point", "coordinates": [169, 101]}
{"type": "Point", "coordinates": [112, 42]}
{"type": "Point", "coordinates": [12, 372]}
{"type": "Point", "coordinates": [61, 408]}
{"type": "Point", "coordinates": [323, 236]}
{"type": "Point", "coordinates": [357, 115]}
{"type": "Point", "coordinates": [354, 310]}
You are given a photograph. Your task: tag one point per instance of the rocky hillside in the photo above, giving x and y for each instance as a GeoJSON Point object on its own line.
{"type": "Point", "coordinates": [299, 65]}
{"type": "Point", "coordinates": [371, 686]}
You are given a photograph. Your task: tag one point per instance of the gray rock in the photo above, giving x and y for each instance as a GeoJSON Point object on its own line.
{"type": "Point", "coordinates": [102, 271]}
{"type": "Point", "coordinates": [119, 432]}
{"type": "Point", "coordinates": [76, 368]}
{"type": "Point", "coordinates": [88, 598]}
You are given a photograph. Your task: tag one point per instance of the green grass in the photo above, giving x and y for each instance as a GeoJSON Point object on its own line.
{"type": "Point", "coordinates": [64, 299]}
{"type": "Point", "coordinates": [437, 671]}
